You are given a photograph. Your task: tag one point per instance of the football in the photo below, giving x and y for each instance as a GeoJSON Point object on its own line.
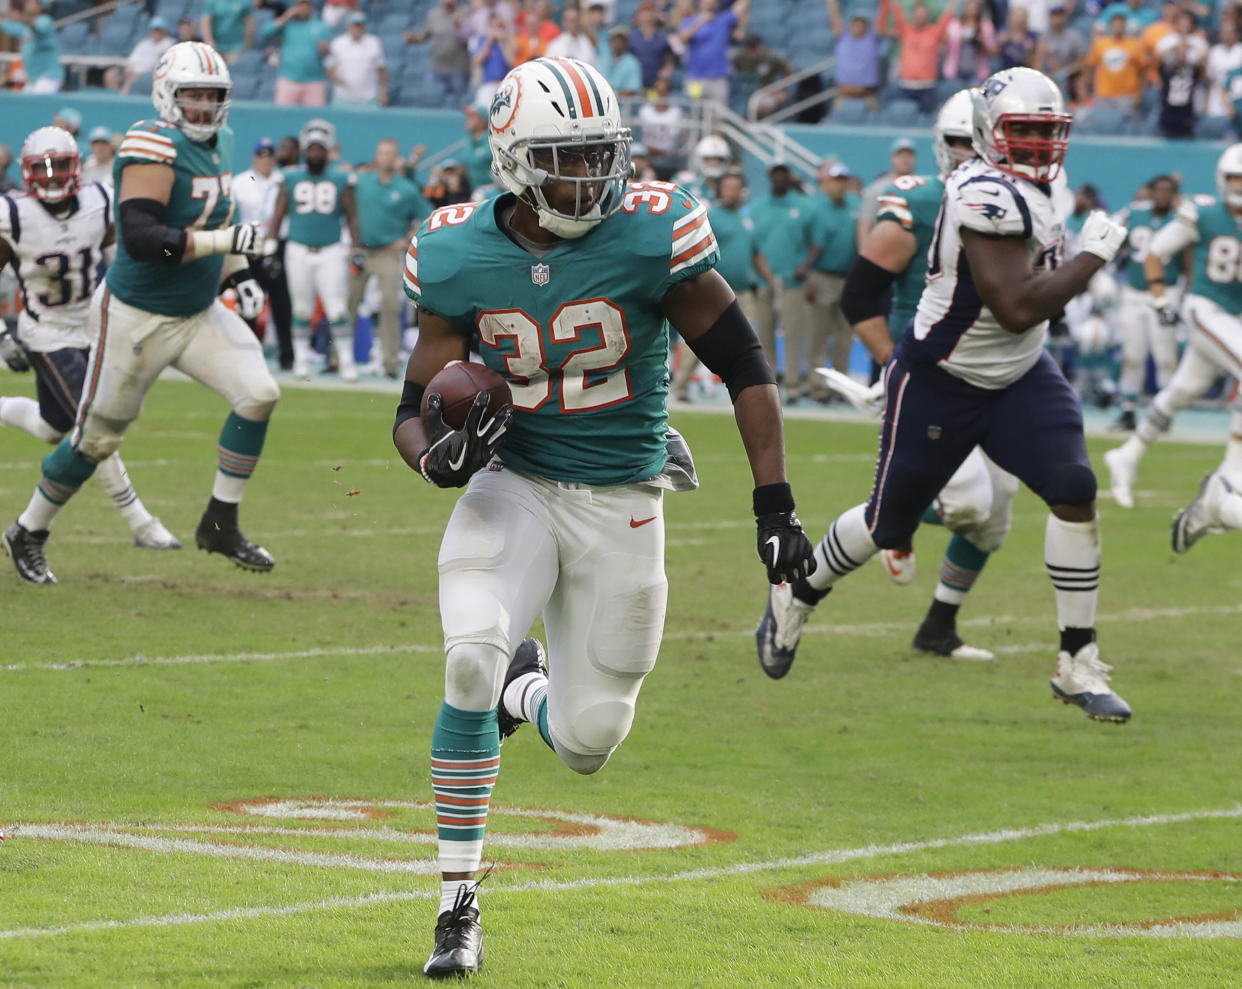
{"type": "Point", "coordinates": [458, 382]}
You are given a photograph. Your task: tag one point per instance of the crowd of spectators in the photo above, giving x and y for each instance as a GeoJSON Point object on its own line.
{"type": "Point", "coordinates": [1128, 65]}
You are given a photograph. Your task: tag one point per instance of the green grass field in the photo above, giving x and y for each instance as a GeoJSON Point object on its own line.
{"type": "Point", "coordinates": [212, 777]}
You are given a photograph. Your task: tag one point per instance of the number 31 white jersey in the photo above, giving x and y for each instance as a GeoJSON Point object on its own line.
{"type": "Point", "coordinates": [953, 328]}
{"type": "Point", "coordinates": [58, 261]}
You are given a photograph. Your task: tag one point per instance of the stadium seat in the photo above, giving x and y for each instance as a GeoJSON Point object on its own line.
{"type": "Point", "coordinates": [75, 38]}
{"type": "Point", "coordinates": [1104, 119]}
{"type": "Point", "coordinates": [1212, 128]}
{"type": "Point", "coordinates": [248, 62]}
{"type": "Point", "coordinates": [899, 113]}
{"type": "Point", "coordinates": [141, 86]}
{"type": "Point", "coordinates": [850, 112]}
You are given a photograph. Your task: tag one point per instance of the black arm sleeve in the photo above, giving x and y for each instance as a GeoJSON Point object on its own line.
{"type": "Point", "coordinates": [730, 348]}
{"type": "Point", "coordinates": [866, 292]}
{"type": "Point", "coordinates": [146, 237]}
{"type": "Point", "coordinates": [410, 406]}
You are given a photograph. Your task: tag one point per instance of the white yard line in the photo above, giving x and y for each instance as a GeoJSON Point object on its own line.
{"type": "Point", "coordinates": [1130, 615]}
{"type": "Point", "coordinates": [832, 857]}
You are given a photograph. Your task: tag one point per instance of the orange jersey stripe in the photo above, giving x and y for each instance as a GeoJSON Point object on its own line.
{"type": "Point", "coordinates": [707, 242]}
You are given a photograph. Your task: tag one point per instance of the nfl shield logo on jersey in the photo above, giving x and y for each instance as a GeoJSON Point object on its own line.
{"type": "Point", "coordinates": [540, 273]}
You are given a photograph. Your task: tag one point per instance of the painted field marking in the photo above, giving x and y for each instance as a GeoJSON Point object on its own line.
{"type": "Point", "coordinates": [1131, 615]}
{"type": "Point", "coordinates": [935, 900]}
{"type": "Point", "coordinates": [831, 857]}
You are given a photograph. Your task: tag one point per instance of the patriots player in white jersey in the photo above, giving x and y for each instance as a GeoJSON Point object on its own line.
{"type": "Point", "coordinates": [972, 371]}
{"type": "Point", "coordinates": [56, 234]}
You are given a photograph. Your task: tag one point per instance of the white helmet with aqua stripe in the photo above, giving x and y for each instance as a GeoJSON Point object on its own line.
{"type": "Point", "coordinates": [556, 120]}
{"type": "Point", "coordinates": [192, 65]}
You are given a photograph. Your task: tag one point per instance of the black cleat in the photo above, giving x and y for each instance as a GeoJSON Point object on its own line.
{"type": "Point", "coordinates": [527, 658]}
{"type": "Point", "coordinates": [947, 643]}
{"type": "Point", "coordinates": [459, 938]}
{"type": "Point", "coordinates": [1125, 423]}
{"type": "Point", "coordinates": [26, 549]}
{"type": "Point", "coordinates": [224, 537]}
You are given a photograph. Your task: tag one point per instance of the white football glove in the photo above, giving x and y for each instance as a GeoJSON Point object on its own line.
{"type": "Point", "coordinates": [1101, 235]}
{"type": "Point", "coordinates": [250, 299]}
{"type": "Point", "coordinates": [865, 398]}
{"type": "Point", "coordinates": [1166, 310]}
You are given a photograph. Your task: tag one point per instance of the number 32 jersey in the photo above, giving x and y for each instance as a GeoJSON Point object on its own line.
{"type": "Point", "coordinates": [57, 260]}
{"type": "Point", "coordinates": [952, 327]}
{"type": "Point", "coordinates": [577, 332]}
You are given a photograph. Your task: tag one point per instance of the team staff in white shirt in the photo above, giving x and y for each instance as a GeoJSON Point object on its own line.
{"type": "Point", "coordinates": [357, 67]}
{"type": "Point", "coordinates": [254, 195]}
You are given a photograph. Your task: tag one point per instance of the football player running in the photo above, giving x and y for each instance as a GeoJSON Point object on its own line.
{"type": "Point", "coordinates": [564, 519]}
{"type": "Point", "coordinates": [976, 503]}
{"type": "Point", "coordinates": [158, 307]}
{"type": "Point", "coordinates": [316, 198]}
{"type": "Point", "coordinates": [972, 371]}
{"type": "Point", "coordinates": [1142, 332]}
{"type": "Point", "coordinates": [58, 236]}
{"type": "Point", "coordinates": [1214, 347]}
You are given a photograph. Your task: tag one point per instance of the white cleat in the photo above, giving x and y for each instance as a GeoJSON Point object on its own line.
{"type": "Point", "coordinates": [1202, 515]}
{"type": "Point", "coordinates": [152, 535]}
{"type": "Point", "coordinates": [301, 368]}
{"type": "Point", "coordinates": [900, 565]}
{"type": "Point", "coordinates": [780, 630]}
{"type": "Point", "coordinates": [349, 372]}
{"type": "Point", "coordinates": [1082, 679]}
{"type": "Point", "coordinates": [1121, 473]}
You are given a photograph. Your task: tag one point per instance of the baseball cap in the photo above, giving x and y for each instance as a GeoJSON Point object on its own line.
{"type": "Point", "coordinates": [619, 31]}
{"type": "Point", "coordinates": [839, 170]}
{"type": "Point", "coordinates": [157, 22]}
{"type": "Point", "coordinates": [357, 17]}
{"type": "Point", "coordinates": [101, 133]}
{"type": "Point", "coordinates": [70, 116]}
{"type": "Point", "coordinates": [901, 144]}
{"type": "Point", "coordinates": [264, 145]}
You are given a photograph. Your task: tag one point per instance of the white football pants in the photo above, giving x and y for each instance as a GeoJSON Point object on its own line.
{"type": "Point", "coordinates": [317, 271]}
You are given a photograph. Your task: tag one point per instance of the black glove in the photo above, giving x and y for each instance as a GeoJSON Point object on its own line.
{"type": "Point", "coordinates": [13, 352]}
{"type": "Point", "coordinates": [358, 261]}
{"type": "Point", "coordinates": [455, 455]}
{"type": "Point", "coordinates": [783, 546]}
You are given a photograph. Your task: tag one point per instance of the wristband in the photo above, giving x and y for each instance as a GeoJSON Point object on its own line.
{"type": "Point", "coordinates": [771, 498]}
{"type": "Point", "coordinates": [212, 242]}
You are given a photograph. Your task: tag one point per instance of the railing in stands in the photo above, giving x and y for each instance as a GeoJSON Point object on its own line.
{"type": "Point", "coordinates": [755, 104]}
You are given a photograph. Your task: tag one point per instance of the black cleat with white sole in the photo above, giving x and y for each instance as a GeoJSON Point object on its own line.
{"type": "Point", "coordinates": [458, 950]}
{"type": "Point", "coordinates": [218, 532]}
{"type": "Point", "coordinates": [527, 658]}
{"type": "Point", "coordinates": [26, 549]}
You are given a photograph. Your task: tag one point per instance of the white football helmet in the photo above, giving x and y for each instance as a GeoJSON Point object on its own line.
{"type": "Point", "coordinates": [710, 157]}
{"type": "Point", "coordinates": [191, 65]}
{"type": "Point", "coordinates": [1092, 335]}
{"type": "Point", "coordinates": [51, 165]}
{"type": "Point", "coordinates": [955, 119]}
{"type": "Point", "coordinates": [317, 131]}
{"type": "Point", "coordinates": [1229, 164]}
{"type": "Point", "coordinates": [556, 120]}
{"type": "Point", "coordinates": [1020, 124]}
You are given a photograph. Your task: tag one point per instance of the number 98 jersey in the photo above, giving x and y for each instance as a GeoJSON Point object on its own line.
{"type": "Point", "coordinates": [201, 198]}
{"type": "Point", "coordinates": [315, 209]}
{"type": "Point", "coordinates": [57, 260]}
{"type": "Point", "coordinates": [577, 332]}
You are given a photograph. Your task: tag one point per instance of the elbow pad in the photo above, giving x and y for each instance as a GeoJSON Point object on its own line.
{"type": "Point", "coordinates": [866, 293]}
{"type": "Point", "coordinates": [730, 348]}
{"type": "Point", "coordinates": [145, 236]}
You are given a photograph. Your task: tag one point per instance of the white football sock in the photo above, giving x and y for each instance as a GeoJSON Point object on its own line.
{"type": "Point", "coordinates": [114, 479]}
{"type": "Point", "coordinates": [1072, 556]}
{"type": "Point", "coordinates": [520, 698]}
{"type": "Point", "coordinates": [448, 893]}
{"type": "Point", "coordinates": [39, 513]}
{"type": "Point", "coordinates": [1231, 466]}
{"type": "Point", "coordinates": [845, 548]}
{"type": "Point", "coordinates": [23, 413]}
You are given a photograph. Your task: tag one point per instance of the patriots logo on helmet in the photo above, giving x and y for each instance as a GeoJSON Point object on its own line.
{"type": "Point", "coordinates": [992, 211]}
{"type": "Point", "coordinates": [994, 86]}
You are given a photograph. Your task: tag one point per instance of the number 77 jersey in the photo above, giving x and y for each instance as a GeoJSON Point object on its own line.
{"type": "Point", "coordinates": [577, 330]}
